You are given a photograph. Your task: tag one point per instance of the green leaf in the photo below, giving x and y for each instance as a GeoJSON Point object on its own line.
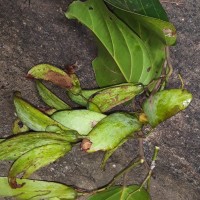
{"type": "Point", "coordinates": [165, 104]}
{"type": "Point", "coordinates": [155, 33]}
{"type": "Point", "coordinates": [72, 119]}
{"type": "Point", "coordinates": [34, 159]}
{"type": "Point", "coordinates": [82, 98]}
{"type": "Point", "coordinates": [50, 98]}
{"type": "Point", "coordinates": [162, 30]}
{"type": "Point", "coordinates": [37, 120]}
{"type": "Point", "coordinates": [122, 193]}
{"type": "Point", "coordinates": [36, 190]}
{"type": "Point", "coordinates": [110, 131]}
{"type": "Point", "coordinates": [17, 145]}
{"type": "Point", "coordinates": [150, 8]}
{"type": "Point", "coordinates": [125, 47]}
{"type": "Point", "coordinates": [32, 117]}
{"type": "Point", "coordinates": [106, 69]}
{"type": "Point", "coordinates": [108, 98]}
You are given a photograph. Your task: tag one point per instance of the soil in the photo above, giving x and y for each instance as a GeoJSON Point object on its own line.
{"type": "Point", "coordinates": [40, 33]}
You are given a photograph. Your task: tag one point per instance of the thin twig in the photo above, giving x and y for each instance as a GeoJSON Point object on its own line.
{"type": "Point", "coordinates": [169, 63]}
{"type": "Point", "coordinates": [126, 170]}
{"type": "Point", "coordinates": [141, 152]}
{"type": "Point", "coordinates": [147, 179]}
{"type": "Point", "coordinates": [182, 82]}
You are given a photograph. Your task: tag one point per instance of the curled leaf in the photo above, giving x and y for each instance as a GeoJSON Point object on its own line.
{"type": "Point", "coordinates": [36, 190]}
{"type": "Point", "coordinates": [34, 118]}
{"type": "Point", "coordinates": [165, 104]}
{"type": "Point", "coordinates": [111, 130]}
{"type": "Point", "coordinates": [50, 73]}
{"type": "Point", "coordinates": [50, 98]}
{"type": "Point", "coordinates": [34, 159]}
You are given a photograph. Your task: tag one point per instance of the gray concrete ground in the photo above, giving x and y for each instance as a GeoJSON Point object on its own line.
{"type": "Point", "coordinates": [41, 34]}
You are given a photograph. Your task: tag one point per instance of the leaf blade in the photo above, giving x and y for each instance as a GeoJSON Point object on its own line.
{"type": "Point", "coordinates": [35, 159]}
{"type": "Point", "coordinates": [151, 8]}
{"type": "Point", "coordinates": [113, 33]}
{"type": "Point", "coordinates": [165, 104]}
{"type": "Point", "coordinates": [122, 193]}
{"type": "Point", "coordinates": [36, 190]}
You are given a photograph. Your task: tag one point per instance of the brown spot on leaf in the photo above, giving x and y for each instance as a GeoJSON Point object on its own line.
{"type": "Point", "coordinates": [20, 124]}
{"type": "Point", "coordinates": [71, 69]}
{"type": "Point", "coordinates": [94, 123]}
{"type": "Point", "coordinates": [86, 144]}
{"type": "Point", "coordinates": [13, 183]}
{"type": "Point", "coordinates": [59, 79]}
{"type": "Point", "coordinates": [169, 33]}
{"type": "Point", "coordinates": [148, 69]}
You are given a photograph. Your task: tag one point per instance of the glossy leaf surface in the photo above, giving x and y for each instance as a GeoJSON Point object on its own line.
{"type": "Point", "coordinates": [17, 145]}
{"type": "Point", "coordinates": [34, 159]}
{"type": "Point", "coordinates": [108, 98]}
{"type": "Point", "coordinates": [80, 120]}
{"type": "Point", "coordinates": [165, 104]}
{"type": "Point", "coordinates": [50, 98]}
{"type": "Point", "coordinates": [122, 193]}
{"type": "Point", "coordinates": [110, 131]}
{"type": "Point", "coordinates": [50, 73]}
{"type": "Point", "coordinates": [132, 58]}
{"type": "Point", "coordinates": [150, 8]}
{"type": "Point", "coordinates": [36, 190]}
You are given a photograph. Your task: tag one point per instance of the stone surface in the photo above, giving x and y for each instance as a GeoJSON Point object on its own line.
{"type": "Point", "coordinates": [41, 34]}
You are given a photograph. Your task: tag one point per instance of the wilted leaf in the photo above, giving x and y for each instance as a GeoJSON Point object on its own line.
{"type": "Point", "coordinates": [122, 193]}
{"type": "Point", "coordinates": [17, 145]}
{"type": "Point", "coordinates": [36, 190]}
{"type": "Point", "coordinates": [110, 97]}
{"type": "Point", "coordinates": [34, 159]}
{"type": "Point", "coordinates": [52, 74]}
{"type": "Point", "coordinates": [110, 131]}
{"type": "Point", "coordinates": [80, 120]}
{"type": "Point", "coordinates": [165, 104]}
{"type": "Point", "coordinates": [125, 47]}
{"type": "Point", "coordinates": [50, 98]}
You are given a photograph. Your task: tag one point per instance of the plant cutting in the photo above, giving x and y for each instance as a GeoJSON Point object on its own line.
{"type": "Point", "coordinates": [133, 59]}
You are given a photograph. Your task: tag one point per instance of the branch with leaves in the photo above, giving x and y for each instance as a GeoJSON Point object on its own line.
{"type": "Point", "coordinates": [133, 59]}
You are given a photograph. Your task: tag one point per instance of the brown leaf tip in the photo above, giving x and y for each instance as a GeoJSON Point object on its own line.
{"type": "Point", "coordinates": [29, 76]}
{"type": "Point", "coordinates": [86, 144]}
{"type": "Point", "coordinates": [71, 69]}
{"type": "Point", "coordinates": [13, 183]}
